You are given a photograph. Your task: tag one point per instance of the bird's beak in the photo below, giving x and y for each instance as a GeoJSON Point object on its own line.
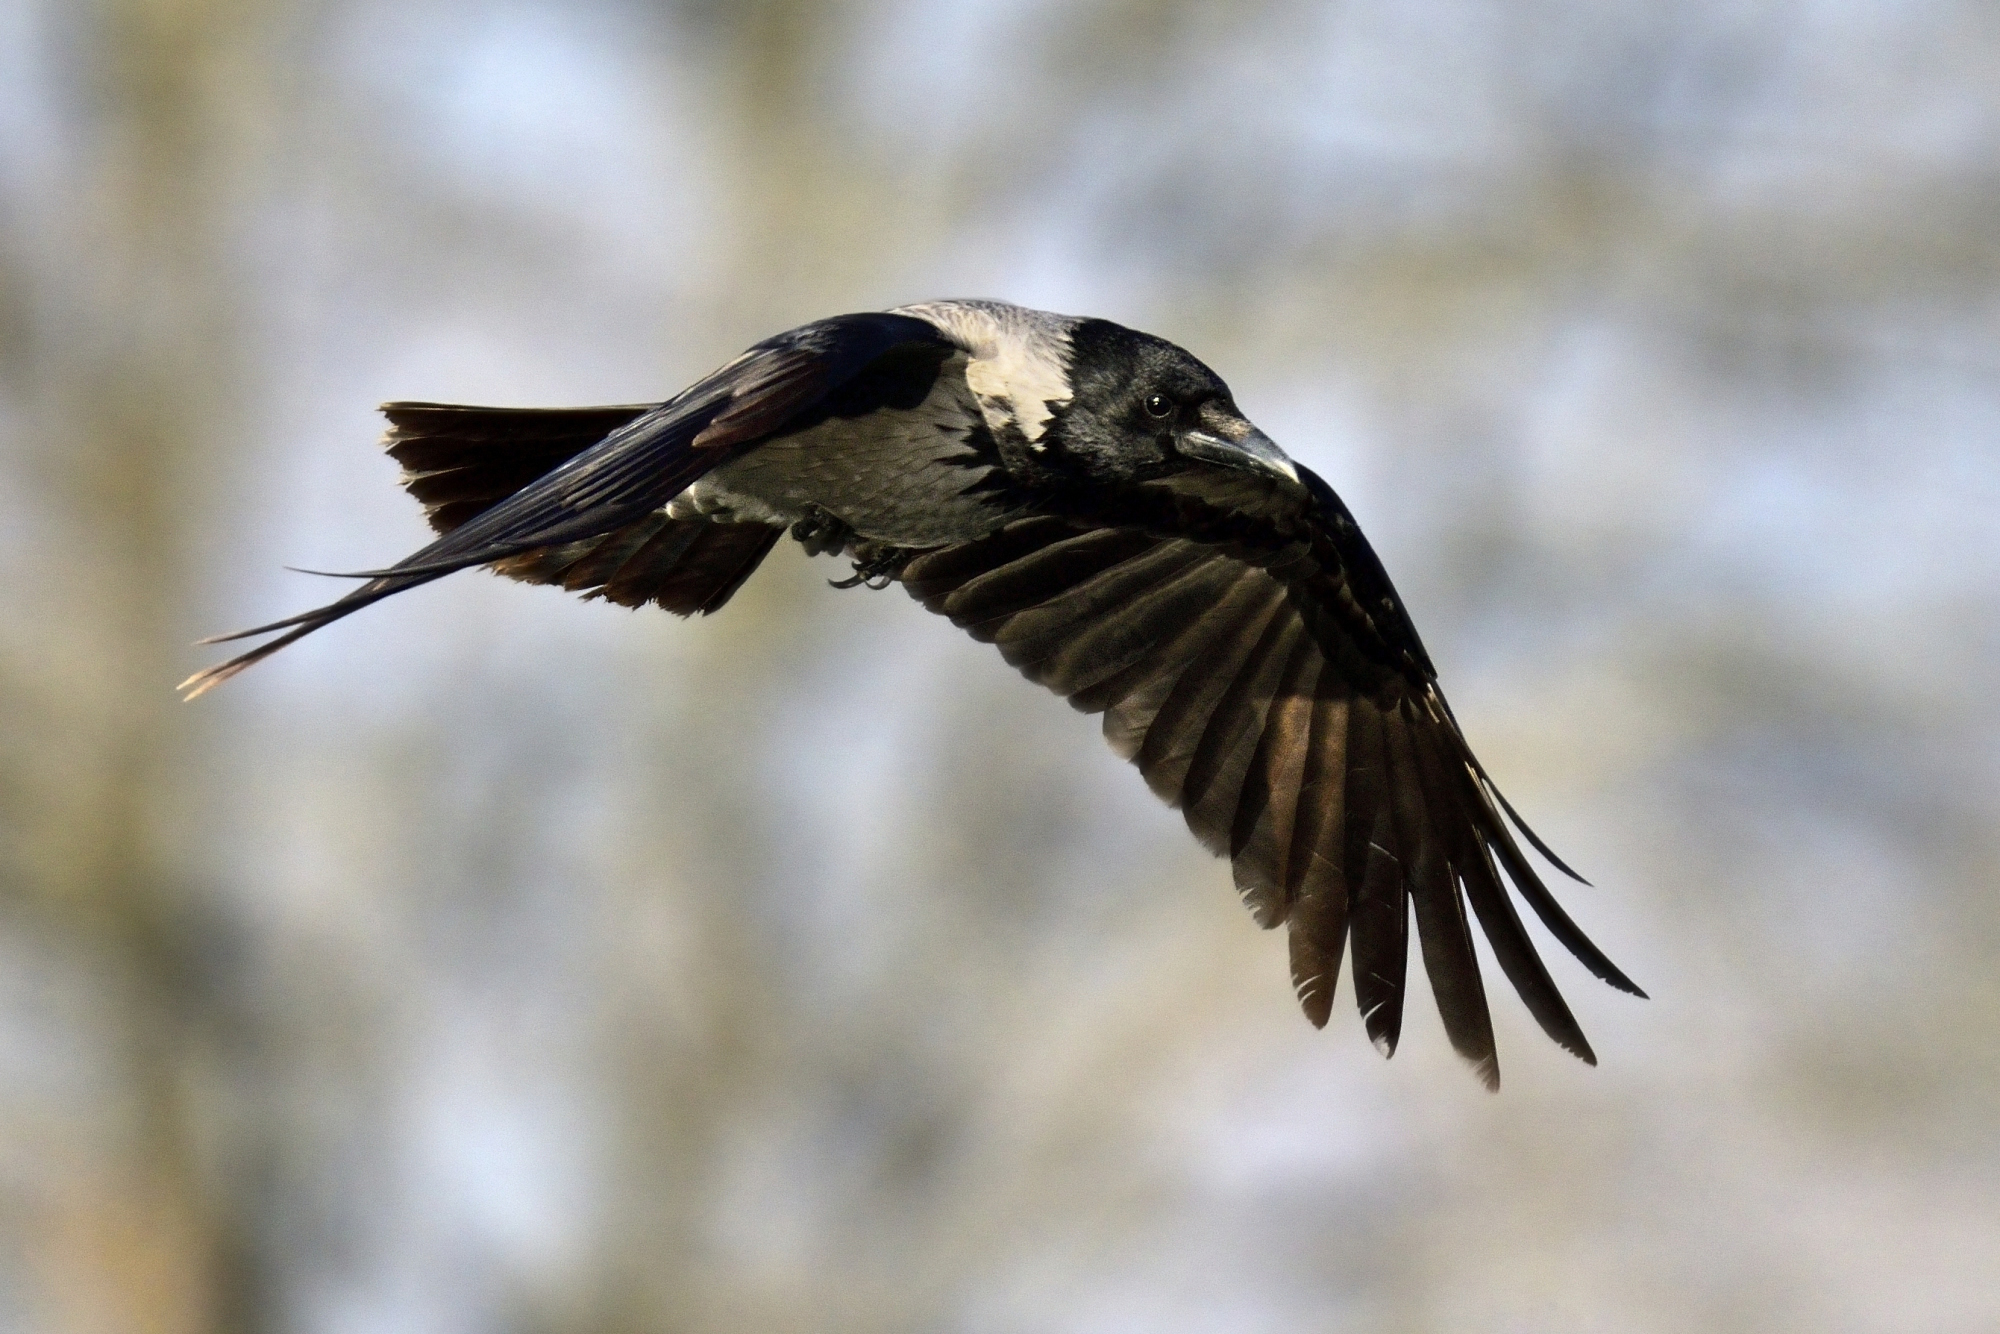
{"type": "Point", "coordinates": [1235, 443]}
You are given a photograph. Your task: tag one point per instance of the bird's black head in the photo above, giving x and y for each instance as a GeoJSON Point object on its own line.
{"type": "Point", "coordinates": [1141, 408]}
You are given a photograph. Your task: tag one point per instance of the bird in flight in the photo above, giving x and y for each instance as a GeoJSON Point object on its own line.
{"type": "Point", "coordinates": [1089, 499]}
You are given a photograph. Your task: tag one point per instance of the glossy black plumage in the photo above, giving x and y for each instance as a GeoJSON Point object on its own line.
{"type": "Point", "coordinates": [1089, 500]}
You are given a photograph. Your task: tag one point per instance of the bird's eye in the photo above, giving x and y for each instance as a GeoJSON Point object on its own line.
{"type": "Point", "coordinates": [1158, 405]}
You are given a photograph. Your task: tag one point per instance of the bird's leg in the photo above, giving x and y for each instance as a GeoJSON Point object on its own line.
{"type": "Point", "coordinates": [820, 532]}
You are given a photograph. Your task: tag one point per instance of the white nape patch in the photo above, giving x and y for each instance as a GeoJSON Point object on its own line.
{"type": "Point", "coordinates": [1019, 359]}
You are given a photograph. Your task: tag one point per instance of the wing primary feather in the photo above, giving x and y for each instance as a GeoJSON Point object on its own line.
{"type": "Point", "coordinates": [1317, 857]}
{"type": "Point", "coordinates": [1316, 934]}
{"type": "Point", "coordinates": [1132, 699]}
{"type": "Point", "coordinates": [1424, 820]}
{"type": "Point", "coordinates": [1130, 633]}
{"type": "Point", "coordinates": [1070, 636]}
{"type": "Point", "coordinates": [1260, 837]}
{"type": "Point", "coordinates": [1467, 814]}
{"type": "Point", "coordinates": [1378, 915]}
{"type": "Point", "coordinates": [936, 575]}
{"type": "Point", "coordinates": [1530, 834]}
{"type": "Point", "coordinates": [1225, 757]}
{"type": "Point", "coordinates": [1486, 782]}
{"type": "Point", "coordinates": [1185, 616]}
{"type": "Point", "coordinates": [1553, 917]}
{"type": "Point", "coordinates": [1176, 730]}
{"type": "Point", "coordinates": [1229, 739]}
{"type": "Point", "coordinates": [1316, 873]}
{"type": "Point", "coordinates": [1519, 961]}
{"type": "Point", "coordinates": [1080, 612]}
{"type": "Point", "coordinates": [488, 555]}
{"type": "Point", "coordinates": [305, 623]}
{"type": "Point", "coordinates": [984, 604]}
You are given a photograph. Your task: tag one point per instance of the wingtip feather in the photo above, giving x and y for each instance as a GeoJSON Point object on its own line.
{"type": "Point", "coordinates": [209, 678]}
{"type": "Point", "coordinates": [200, 684]}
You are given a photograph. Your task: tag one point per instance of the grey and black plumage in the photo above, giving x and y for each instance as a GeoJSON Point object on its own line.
{"type": "Point", "coordinates": [1089, 499]}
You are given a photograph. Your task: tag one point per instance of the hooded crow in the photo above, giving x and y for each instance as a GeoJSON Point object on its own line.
{"type": "Point", "coordinates": [1089, 499]}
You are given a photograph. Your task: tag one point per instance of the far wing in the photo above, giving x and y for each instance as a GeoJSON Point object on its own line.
{"type": "Point", "coordinates": [1250, 696]}
{"type": "Point", "coordinates": [625, 476]}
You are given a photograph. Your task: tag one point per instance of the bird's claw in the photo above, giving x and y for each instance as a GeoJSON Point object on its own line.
{"type": "Point", "coordinates": [877, 571]}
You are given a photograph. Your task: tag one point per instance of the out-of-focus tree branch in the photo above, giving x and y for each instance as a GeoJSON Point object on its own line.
{"type": "Point", "coordinates": [124, 395]}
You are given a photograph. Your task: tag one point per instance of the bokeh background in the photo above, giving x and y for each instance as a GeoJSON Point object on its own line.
{"type": "Point", "coordinates": [497, 962]}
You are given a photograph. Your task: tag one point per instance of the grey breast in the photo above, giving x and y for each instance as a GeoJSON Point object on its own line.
{"type": "Point", "coordinates": [907, 477]}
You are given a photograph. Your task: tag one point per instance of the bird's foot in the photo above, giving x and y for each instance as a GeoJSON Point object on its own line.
{"type": "Point", "coordinates": [821, 532]}
{"type": "Point", "coordinates": [877, 567]}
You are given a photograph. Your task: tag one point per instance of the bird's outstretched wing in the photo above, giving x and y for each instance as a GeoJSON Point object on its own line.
{"type": "Point", "coordinates": [596, 490]}
{"type": "Point", "coordinates": [1253, 660]}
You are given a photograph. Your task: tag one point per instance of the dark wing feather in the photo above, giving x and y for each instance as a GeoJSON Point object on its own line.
{"type": "Point", "coordinates": [619, 480]}
{"type": "Point", "coordinates": [1316, 869]}
{"type": "Point", "coordinates": [460, 461]}
{"type": "Point", "coordinates": [683, 565]}
{"type": "Point", "coordinates": [1266, 681]}
{"type": "Point", "coordinates": [1230, 740]}
{"type": "Point", "coordinates": [1267, 810]}
{"type": "Point", "coordinates": [1451, 783]}
{"type": "Point", "coordinates": [1378, 911]}
{"type": "Point", "coordinates": [1110, 628]}
{"type": "Point", "coordinates": [1427, 821]}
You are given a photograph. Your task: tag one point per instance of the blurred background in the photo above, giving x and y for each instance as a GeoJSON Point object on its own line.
{"type": "Point", "coordinates": [498, 962]}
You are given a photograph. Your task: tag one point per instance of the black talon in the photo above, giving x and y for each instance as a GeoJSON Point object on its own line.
{"type": "Point", "coordinates": [877, 569]}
